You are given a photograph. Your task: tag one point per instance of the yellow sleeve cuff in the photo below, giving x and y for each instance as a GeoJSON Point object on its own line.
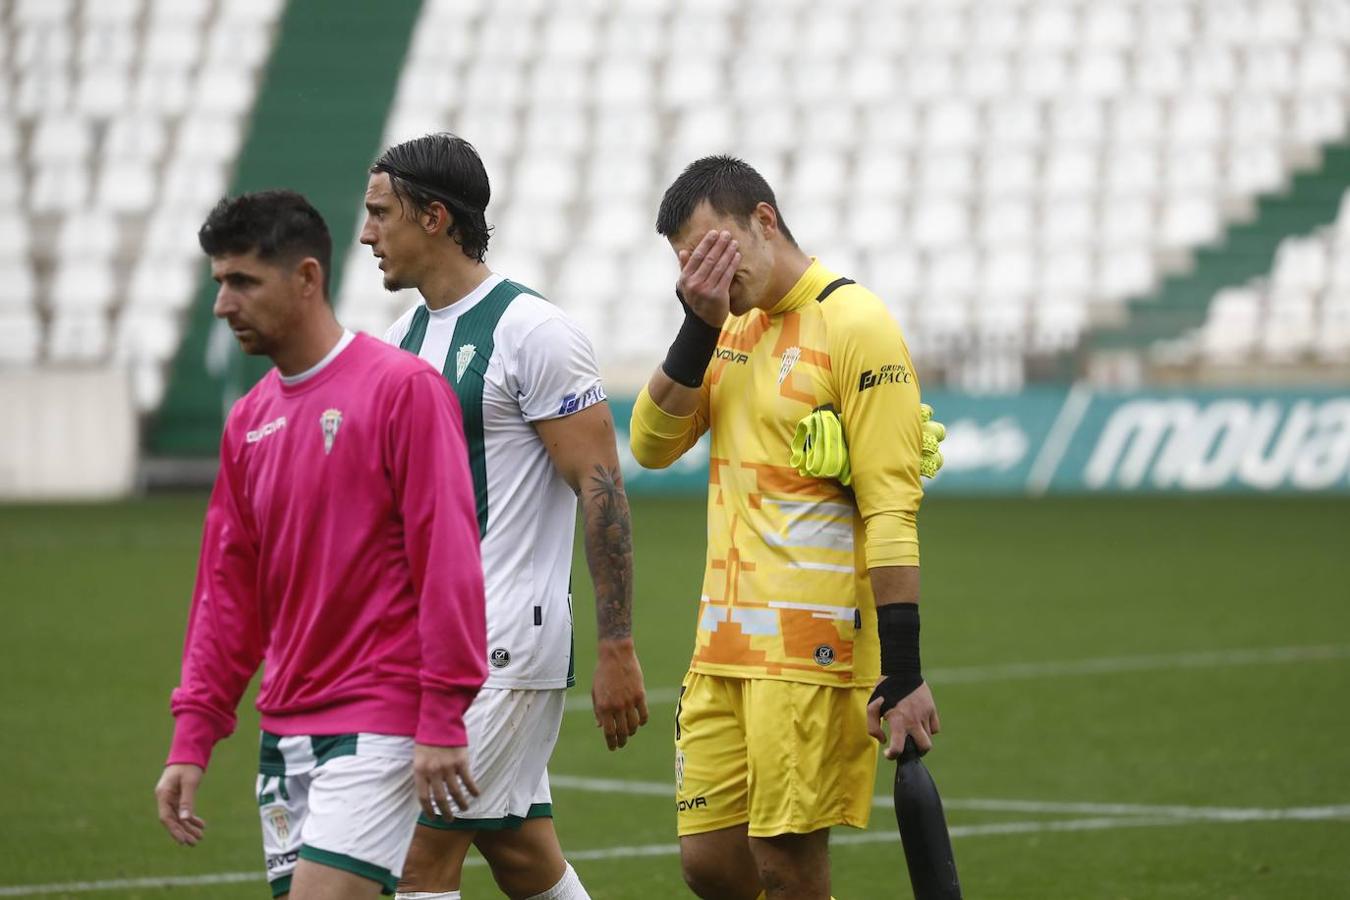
{"type": "Point", "coordinates": [656, 437]}
{"type": "Point", "coordinates": [892, 540]}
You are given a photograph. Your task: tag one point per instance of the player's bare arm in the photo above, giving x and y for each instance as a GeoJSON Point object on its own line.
{"type": "Point", "coordinates": [915, 715]}
{"type": "Point", "coordinates": [583, 450]}
{"type": "Point", "coordinates": [706, 270]}
{"type": "Point", "coordinates": [176, 796]}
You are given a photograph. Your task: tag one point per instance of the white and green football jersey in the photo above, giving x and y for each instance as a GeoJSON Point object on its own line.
{"type": "Point", "coordinates": [513, 358]}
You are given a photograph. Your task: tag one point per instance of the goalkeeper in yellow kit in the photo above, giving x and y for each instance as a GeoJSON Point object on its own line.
{"type": "Point", "coordinates": [808, 626]}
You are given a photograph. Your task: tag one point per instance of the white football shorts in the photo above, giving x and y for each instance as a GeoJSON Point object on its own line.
{"type": "Point", "coordinates": [512, 733]}
{"type": "Point", "coordinates": [345, 801]}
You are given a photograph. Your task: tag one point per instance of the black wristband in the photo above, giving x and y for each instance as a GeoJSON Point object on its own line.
{"type": "Point", "coordinates": [901, 673]}
{"type": "Point", "coordinates": [687, 359]}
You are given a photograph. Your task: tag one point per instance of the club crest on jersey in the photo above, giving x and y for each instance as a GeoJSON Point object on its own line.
{"type": "Point", "coordinates": [281, 823]}
{"type": "Point", "coordinates": [824, 655]}
{"type": "Point", "coordinates": [499, 658]}
{"type": "Point", "coordinates": [463, 356]}
{"type": "Point", "coordinates": [330, 421]}
{"type": "Point", "coordinates": [790, 357]}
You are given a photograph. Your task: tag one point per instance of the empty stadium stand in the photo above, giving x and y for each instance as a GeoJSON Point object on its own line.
{"type": "Point", "coordinates": [1023, 181]}
{"type": "Point", "coordinates": [120, 121]}
{"type": "Point", "coordinates": [1297, 316]}
{"type": "Point", "coordinates": [1007, 174]}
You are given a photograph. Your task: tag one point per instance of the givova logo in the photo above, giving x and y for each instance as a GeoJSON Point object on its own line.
{"type": "Point", "coordinates": [1198, 445]}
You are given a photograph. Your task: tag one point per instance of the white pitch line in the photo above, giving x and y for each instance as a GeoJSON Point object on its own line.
{"type": "Point", "coordinates": [1193, 813]}
{"type": "Point", "coordinates": [1190, 813]}
{"type": "Point", "coordinates": [1201, 659]}
{"type": "Point", "coordinates": [628, 852]}
{"type": "Point", "coordinates": [1104, 665]}
{"type": "Point", "coordinates": [89, 887]}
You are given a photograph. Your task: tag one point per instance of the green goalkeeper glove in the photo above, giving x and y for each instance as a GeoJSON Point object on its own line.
{"type": "Point", "coordinates": [820, 451]}
{"type": "Point", "coordinates": [930, 460]}
{"type": "Point", "coordinates": [818, 448]}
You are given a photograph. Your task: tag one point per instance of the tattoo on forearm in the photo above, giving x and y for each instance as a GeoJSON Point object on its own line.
{"type": "Point", "coordinates": [609, 551]}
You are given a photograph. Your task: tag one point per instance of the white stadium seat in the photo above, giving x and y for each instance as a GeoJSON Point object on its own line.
{"type": "Point", "coordinates": [939, 222]}
{"type": "Point", "coordinates": [875, 225]}
{"type": "Point", "coordinates": [1009, 173]}
{"type": "Point", "coordinates": [1136, 119]}
{"type": "Point", "coordinates": [1289, 326]}
{"type": "Point", "coordinates": [572, 37]}
{"type": "Point", "coordinates": [18, 288]}
{"type": "Point", "coordinates": [954, 272]}
{"type": "Point", "coordinates": [192, 185]}
{"type": "Point", "coordinates": [616, 225]}
{"type": "Point", "coordinates": [986, 77]}
{"type": "Point", "coordinates": [20, 337]}
{"type": "Point", "coordinates": [225, 90]}
{"type": "Point", "coordinates": [1159, 71]}
{"type": "Point", "coordinates": [1006, 221]}
{"type": "Point", "coordinates": [1010, 272]}
{"type": "Point", "coordinates": [692, 82]}
{"type": "Point", "coordinates": [126, 187]}
{"type": "Point", "coordinates": [1125, 271]}
{"type": "Point", "coordinates": [1322, 67]}
{"type": "Point", "coordinates": [171, 45]}
{"type": "Point", "coordinates": [78, 337]}
{"type": "Point", "coordinates": [1066, 222]}
{"type": "Point", "coordinates": [1230, 330]}
{"type": "Point", "coordinates": [880, 173]}
{"type": "Point", "coordinates": [180, 12]}
{"type": "Point", "coordinates": [1301, 264]}
{"type": "Point", "coordinates": [15, 240]}
{"type": "Point", "coordinates": [111, 44]}
{"type": "Point", "coordinates": [208, 138]}
{"type": "Point", "coordinates": [93, 236]}
{"type": "Point", "coordinates": [103, 91]}
{"type": "Point", "coordinates": [890, 125]}
{"type": "Point", "coordinates": [928, 75]}
{"type": "Point", "coordinates": [1269, 70]}
{"type": "Point", "coordinates": [1189, 221]}
{"type": "Point", "coordinates": [61, 139]}
{"type": "Point", "coordinates": [814, 222]}
{"type": "Point", "coordinates": [949, 173]}
{"type": "Point", "coordinates": [164, 284]}
{"type": "Point", "coordinates": [82, 286]}
{"type": "Point", "coordinates": [105, 13]}
{"type": "Point", "coordinates": [59, 188]}
{"type": "Point", "coordinates": [135, 137]}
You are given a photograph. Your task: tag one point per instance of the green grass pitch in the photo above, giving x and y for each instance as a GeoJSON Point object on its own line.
{"type": "Point", "coordinates": [1122, 715]}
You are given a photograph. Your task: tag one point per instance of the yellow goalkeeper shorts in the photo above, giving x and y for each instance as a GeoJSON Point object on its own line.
{"type": "Point", "coordinates": [784, 757]}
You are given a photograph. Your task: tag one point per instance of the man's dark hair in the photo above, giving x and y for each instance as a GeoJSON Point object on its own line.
{"type": "Point", "coordinates": [445, 168]}
{"type": "Point", "coordinates": [281, 226]}
{"type": "Point", "coordinates": [730, 185]}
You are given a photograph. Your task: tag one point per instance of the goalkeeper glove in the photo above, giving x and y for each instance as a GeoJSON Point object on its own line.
{"type": "Point", "coordinates": [930, 460]}
{"type": "Point", "coordinates": [820, 451]}
{"type": "Point", "coordinates": [818, 448]}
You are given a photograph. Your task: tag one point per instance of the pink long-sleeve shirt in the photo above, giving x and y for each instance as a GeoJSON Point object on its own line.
{"type": "Point", "coordinates": [341, 550]}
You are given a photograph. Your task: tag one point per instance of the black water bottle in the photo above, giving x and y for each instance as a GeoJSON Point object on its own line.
{"type": "Point", "coordinates": [923, 830]}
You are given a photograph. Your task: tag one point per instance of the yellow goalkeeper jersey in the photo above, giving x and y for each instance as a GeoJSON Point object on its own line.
{"type": "Point", "coordinates": [786, 592]}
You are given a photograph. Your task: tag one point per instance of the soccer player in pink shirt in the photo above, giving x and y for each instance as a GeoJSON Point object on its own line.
{"type": "Point", "coordinates": [340, 549]}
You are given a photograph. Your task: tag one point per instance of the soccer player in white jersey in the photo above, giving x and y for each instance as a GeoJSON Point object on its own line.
{"type": "Point", "coordinates": [539, 436]}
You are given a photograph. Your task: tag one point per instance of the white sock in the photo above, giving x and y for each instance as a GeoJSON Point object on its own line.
{"type": "Point", "coordinates": [426, 895]}
{"type": "Point", "coordinates": [568, 888]}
